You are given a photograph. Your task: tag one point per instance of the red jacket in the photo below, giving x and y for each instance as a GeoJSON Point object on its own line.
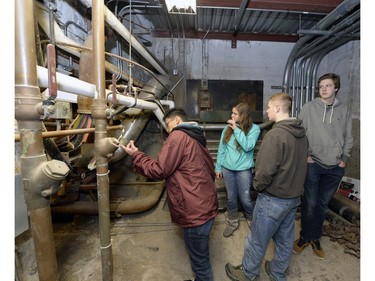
{"type": "Point", "coordinates": [188, 169]}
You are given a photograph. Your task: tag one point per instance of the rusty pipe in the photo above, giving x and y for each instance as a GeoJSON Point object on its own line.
{"type": "Point", "coordinates": [99, 110]}
{"type": "Point", "coordinates": [61, 133]}
{"type": "Point", "coordinates": [28, 103]}
{"type": "Point", "coordinates": [125, 206]}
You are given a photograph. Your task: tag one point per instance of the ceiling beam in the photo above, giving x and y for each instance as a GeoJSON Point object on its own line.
{"type": "Point", "coordinates": [315, 6]}
{"type": "Point", "coordinates": [228, 36]}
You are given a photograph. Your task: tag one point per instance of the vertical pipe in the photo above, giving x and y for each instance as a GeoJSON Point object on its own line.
{"type": "Point", "coordinates": [99, 114]}
{"type": "Point", "coordinates": [27, 113]}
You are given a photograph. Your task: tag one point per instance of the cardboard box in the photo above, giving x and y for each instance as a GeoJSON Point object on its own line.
{"type": "Point", "coordinates": [350, 188]}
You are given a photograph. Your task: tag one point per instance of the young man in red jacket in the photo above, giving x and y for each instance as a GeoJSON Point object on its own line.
{"type": "Point", "coordinates": [188, 168]}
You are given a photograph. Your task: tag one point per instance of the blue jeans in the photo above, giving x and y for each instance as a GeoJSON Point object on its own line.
{"type": "Point", "coordinates": [320, 185]}
{"type": "Point", "coordinates": [238, 184]}
{"type": "Point", "coordinates": [196, 241]}
{"type": "Point", "coordinates": [273, 218]}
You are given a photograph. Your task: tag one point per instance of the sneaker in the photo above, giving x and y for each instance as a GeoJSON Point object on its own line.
{"type": "Point", "coordinates": [235, 273]}
{"type": "Point", "coordinates": [299, 245]}
{"type": "Point", "coordinates": [268, 270]}
{"type": "Point", "coordinates": [317, 249]}
{"type": "Point", "coordinates": [191, 279]}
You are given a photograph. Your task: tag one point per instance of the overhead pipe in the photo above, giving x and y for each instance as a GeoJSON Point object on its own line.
{"type": "Point", "coordinates": [70, 87]}
{"type": "Point", "coordinates": [335, 32]}
{"type": "Point", "coordinates": [112, 20]}
{"type": "Point", "coordinates": [304, 90]}
{"type": "Point", "coordinates": [308, 64]}
{"type": "Point", "coordinates": [40, 177]}
{"type": "Point", "coordinates": [341, 10]}
{"type": "Point", "coordinates": [69, 45]}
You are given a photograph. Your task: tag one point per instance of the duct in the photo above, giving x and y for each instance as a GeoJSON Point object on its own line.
{"type": "Point", "coordinates": [344, 8]}
{"type": "Point", "coordinates": [132, 130]}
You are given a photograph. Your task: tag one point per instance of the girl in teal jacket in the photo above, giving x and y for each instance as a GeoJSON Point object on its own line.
{"type": "Point", "coordinates": [235, 161]}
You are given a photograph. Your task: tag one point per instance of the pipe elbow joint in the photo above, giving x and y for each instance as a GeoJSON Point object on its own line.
{"type": "Point", "coordinates": [44, 180]}
{"type": "Point", "coordinates": [53, 172]}
{"type": "Point", "coordinates": [106, 147]}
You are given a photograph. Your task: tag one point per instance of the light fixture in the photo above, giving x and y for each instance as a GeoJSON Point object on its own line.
{"type": "Point", "coordinates": [181, 6]}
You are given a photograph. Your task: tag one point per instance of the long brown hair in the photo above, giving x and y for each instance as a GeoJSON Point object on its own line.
{"type": "Point", "coordinates": [245, 122]}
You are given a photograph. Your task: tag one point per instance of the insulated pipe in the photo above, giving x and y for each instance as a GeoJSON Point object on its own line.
{"type": "Point", "coordinates": [98, 110]}
{"type": "Point", "coordinates": [343, 210]}
{"type": "Point", "coordinates": [72, 86]}
{"type": "Point", "coordinates": [27, 113]}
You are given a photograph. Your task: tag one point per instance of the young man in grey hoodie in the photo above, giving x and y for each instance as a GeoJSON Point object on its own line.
{"type": "Point", "coordinates": [328, 125]}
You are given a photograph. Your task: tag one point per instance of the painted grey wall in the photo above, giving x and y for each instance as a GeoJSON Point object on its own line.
{"type": "Point", "coordinates": [253, 60]}
{"type": "Point", "coordinates": [345, 61]}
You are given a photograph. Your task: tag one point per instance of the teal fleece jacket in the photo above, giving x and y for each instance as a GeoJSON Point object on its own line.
{"type": "Point", "coordinates": [329, 131]}
{"type": "Point", "coordinates": [230, 158]}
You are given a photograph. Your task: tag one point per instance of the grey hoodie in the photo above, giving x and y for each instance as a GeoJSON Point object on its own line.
{"type": "Point", "coordinates": [329, 131]}
{"type": "Point", "coordinates": [280, 166]}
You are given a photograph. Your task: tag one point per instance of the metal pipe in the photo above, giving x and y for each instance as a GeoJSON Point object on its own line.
{"type": "Point", "coordinates": [74, 86]}
{"type": "Point", "coordinates": [126, 206]}
{"type": "Point", "coordinates": [69, 132]}
{"type": "Point", "coordinates": [112, 20]}
{"type": "Point", "coordinates": [99, 109]}
{"type": "Point", "coordinates": [344, 8]}
{"type": "Point", "coordinates": [70, 45]}
{"type": "Point", "coordinates": [27, 112]}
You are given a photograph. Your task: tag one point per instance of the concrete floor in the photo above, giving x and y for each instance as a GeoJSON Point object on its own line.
{"type": "Point", "coordinates": [148, 247]}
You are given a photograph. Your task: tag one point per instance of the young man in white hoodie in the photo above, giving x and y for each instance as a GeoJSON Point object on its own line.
{"type": "Point", "coordinates": [328, 125]}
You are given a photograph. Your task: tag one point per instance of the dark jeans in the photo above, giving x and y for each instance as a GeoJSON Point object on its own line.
{"type": "Point", "coordinates": [196, 241]}
{"type": "Point", "coordinates": [320, 185]}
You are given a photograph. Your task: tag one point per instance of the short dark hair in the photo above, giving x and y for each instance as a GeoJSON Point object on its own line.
{"type": "Point", "coordinates": [173, 112]}
{"type": "Point", "coordinates": [334, 77]}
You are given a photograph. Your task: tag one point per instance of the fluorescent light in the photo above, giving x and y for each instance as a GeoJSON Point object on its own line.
{"type": "Point", "coordinates": [181, 6]}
